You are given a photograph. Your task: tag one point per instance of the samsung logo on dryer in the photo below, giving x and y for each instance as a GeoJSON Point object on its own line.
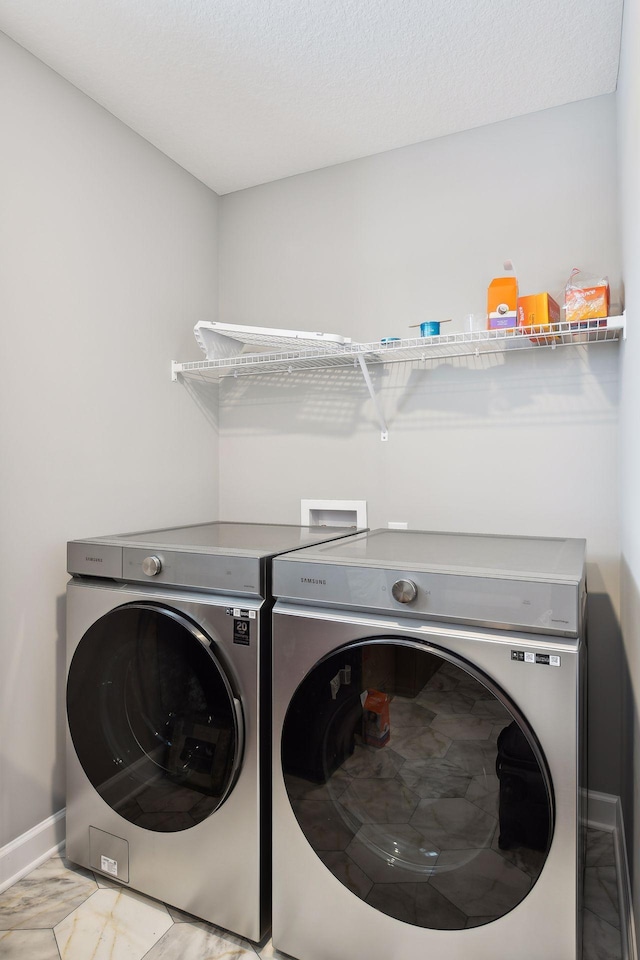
{"type": "Point", "coordinates": [320, 583]}
{"type": "Point", "coordinates": [94, 559]}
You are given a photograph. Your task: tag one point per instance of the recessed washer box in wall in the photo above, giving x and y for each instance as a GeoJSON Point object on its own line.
{"type": "Point", "coordinates": [333, 513]}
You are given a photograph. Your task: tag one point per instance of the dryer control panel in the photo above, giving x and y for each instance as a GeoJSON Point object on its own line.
{"type": "Point", "coordinates": [551, 607]}
{"type": "Point", "coordinates": [510, 583]}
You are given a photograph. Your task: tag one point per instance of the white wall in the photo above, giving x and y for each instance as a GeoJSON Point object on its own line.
{"type": "Point", "coordinates": [629, 152]}
{"type": "Point", "coordinates": [518, 444]}
{"type": "Point", "coordinates": [108, 256]}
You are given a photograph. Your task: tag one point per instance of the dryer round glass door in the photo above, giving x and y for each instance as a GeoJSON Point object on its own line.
{"type": "Point", "coordinates": [418, 783]}
{"type": "Point", "coordinates": [153, 718]}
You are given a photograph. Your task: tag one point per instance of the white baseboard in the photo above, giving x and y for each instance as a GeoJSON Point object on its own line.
{"type": "Point", "coordinates": [28, 851]}
{"type": "Point", "coordinates": [604, 812]}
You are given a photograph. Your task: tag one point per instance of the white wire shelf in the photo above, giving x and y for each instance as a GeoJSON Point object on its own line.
{"type": "Point", "coordinates": [418, 349]}
{"type": "Point", "coordinates": [477, 343]}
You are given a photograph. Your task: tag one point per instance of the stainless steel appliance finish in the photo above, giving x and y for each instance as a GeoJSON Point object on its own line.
{"type": "Point", "coordinates": [168, 707]}
{"type": "Point", "coordinates": [427, 749]}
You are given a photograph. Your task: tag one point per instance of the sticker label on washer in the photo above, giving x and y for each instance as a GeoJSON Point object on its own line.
{"type": "Point", "coordinates": [107, 865]}
{"type": "Point", "coordinates": [548, 659]}
{"type": "Point", "coordinates": [239, 612]}
{"type": "Point", "coordinates": [241, 631]}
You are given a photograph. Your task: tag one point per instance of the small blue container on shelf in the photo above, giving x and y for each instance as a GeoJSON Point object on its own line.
{"type": "Point", "coordinates": [430, 328]}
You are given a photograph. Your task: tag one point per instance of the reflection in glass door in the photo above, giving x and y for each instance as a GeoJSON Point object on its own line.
{"type": "Point", "coordinates": [417, 783]}
{"type": "Point", "coordinates": [153, 718]}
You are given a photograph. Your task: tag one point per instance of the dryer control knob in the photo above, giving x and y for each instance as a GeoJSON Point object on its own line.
{"type": "Point", "coordinates": [404, 591]}
{"type": "Point", "coordinates": [151, 566]}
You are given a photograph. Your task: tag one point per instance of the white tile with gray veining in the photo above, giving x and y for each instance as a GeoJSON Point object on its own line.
{"type": "Point", "coordinates": [454, 824]}
{"type": "Point", "coordinates": [489, 885]}
{"type": "Point", "coordinates": [344, 866]}
{"type": "Point", "coordinates": [442, 681]}
{"type": "Point", "coordinates": [326, 827]}
{"type": "Point", "coordinates": [200, 941]}
{"type": "Point", "coordinates": [112, 925]}
{"type": "Point", "coordinates": [418, 904]}
{"type": "Point", "coordinates": [463, 727]}
{"type": "Point", "coordinates": [600, 848]}
{"type": "Point", "coordinates": [527, 860]}
{"type": "Point", "coordinates": [484, 792]}
{"type": "Point", "coordinates": [474, 757]}
{"type": "Point", "coordinates": [416, 743]}
{"type": "Point", "coordinates": [45, 896]}
{"type": "Point", "coordinates": [267, 951]}
{"type": "Point", "coordinates": [445, 703]}
{"type": "Point", "coordinates": [301, 789]}
{"type": "Point", "coordinates": [404, 712]}
{"type": "Point", "coordinates": [394, 853]}
{"type": "Point", "coordinates": [491, 710]}
{"type": "Point", "coordinates": [28, 945]}
{"type": "Point", "coordinates": [36, 893]}
{"type": "Point", "coordinates": [379, 801]}
{"type": "Point", "coordinates": [434, 779]}
{"type": "Point", "coordinates": [179, 916]}
{"type": "Point", "coordinates": [600, 940]}
{"type": "Point", "coordinates": [370, 762]}
{"type": "Point", "coordinates": [601, 887]}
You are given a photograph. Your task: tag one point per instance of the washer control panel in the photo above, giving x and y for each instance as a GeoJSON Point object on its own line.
{"type": "Point", "coordinates": [231, 575]}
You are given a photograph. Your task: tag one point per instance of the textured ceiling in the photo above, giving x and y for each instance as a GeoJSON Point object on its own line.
{"type": "Point", "coordinates": [241, 92]}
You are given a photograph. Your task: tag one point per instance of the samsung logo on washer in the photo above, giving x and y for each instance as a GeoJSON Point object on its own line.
{"type": "Point", "coordinates": [320, 583]}
{"type": "Point", "coordinates": [94, 559]}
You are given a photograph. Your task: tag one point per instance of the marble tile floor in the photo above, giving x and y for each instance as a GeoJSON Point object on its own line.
{"type": "Point", "coordinates": [62, 912]}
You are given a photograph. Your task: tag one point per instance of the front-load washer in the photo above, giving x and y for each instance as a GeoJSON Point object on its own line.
{"type": "Point", "coordinates": [428, 700]}
{"type": "Point", "coordinates": [168, 643]}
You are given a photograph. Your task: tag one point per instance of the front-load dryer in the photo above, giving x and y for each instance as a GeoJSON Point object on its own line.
{"type": "Point", "coordinates": [427, 741]}
{"type": "Point", "coordinates": [168, 643]}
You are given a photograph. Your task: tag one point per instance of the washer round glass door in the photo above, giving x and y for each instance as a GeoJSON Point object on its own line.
{"type": "Point", "coordinates": [417, 783]}
{"type": "Point", "coordinates": [153, 718]}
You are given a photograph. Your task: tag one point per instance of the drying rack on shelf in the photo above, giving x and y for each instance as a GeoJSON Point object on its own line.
{"type": "Point", "coordinates": [286, 351]}
{"type": "Point", "coordinates": [227, 340]}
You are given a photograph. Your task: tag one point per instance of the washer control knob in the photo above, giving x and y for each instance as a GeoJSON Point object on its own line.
{"type": "Point", "coordinates": [152, 566]}
{"type": "Point", "coordinates": [404, 591]}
